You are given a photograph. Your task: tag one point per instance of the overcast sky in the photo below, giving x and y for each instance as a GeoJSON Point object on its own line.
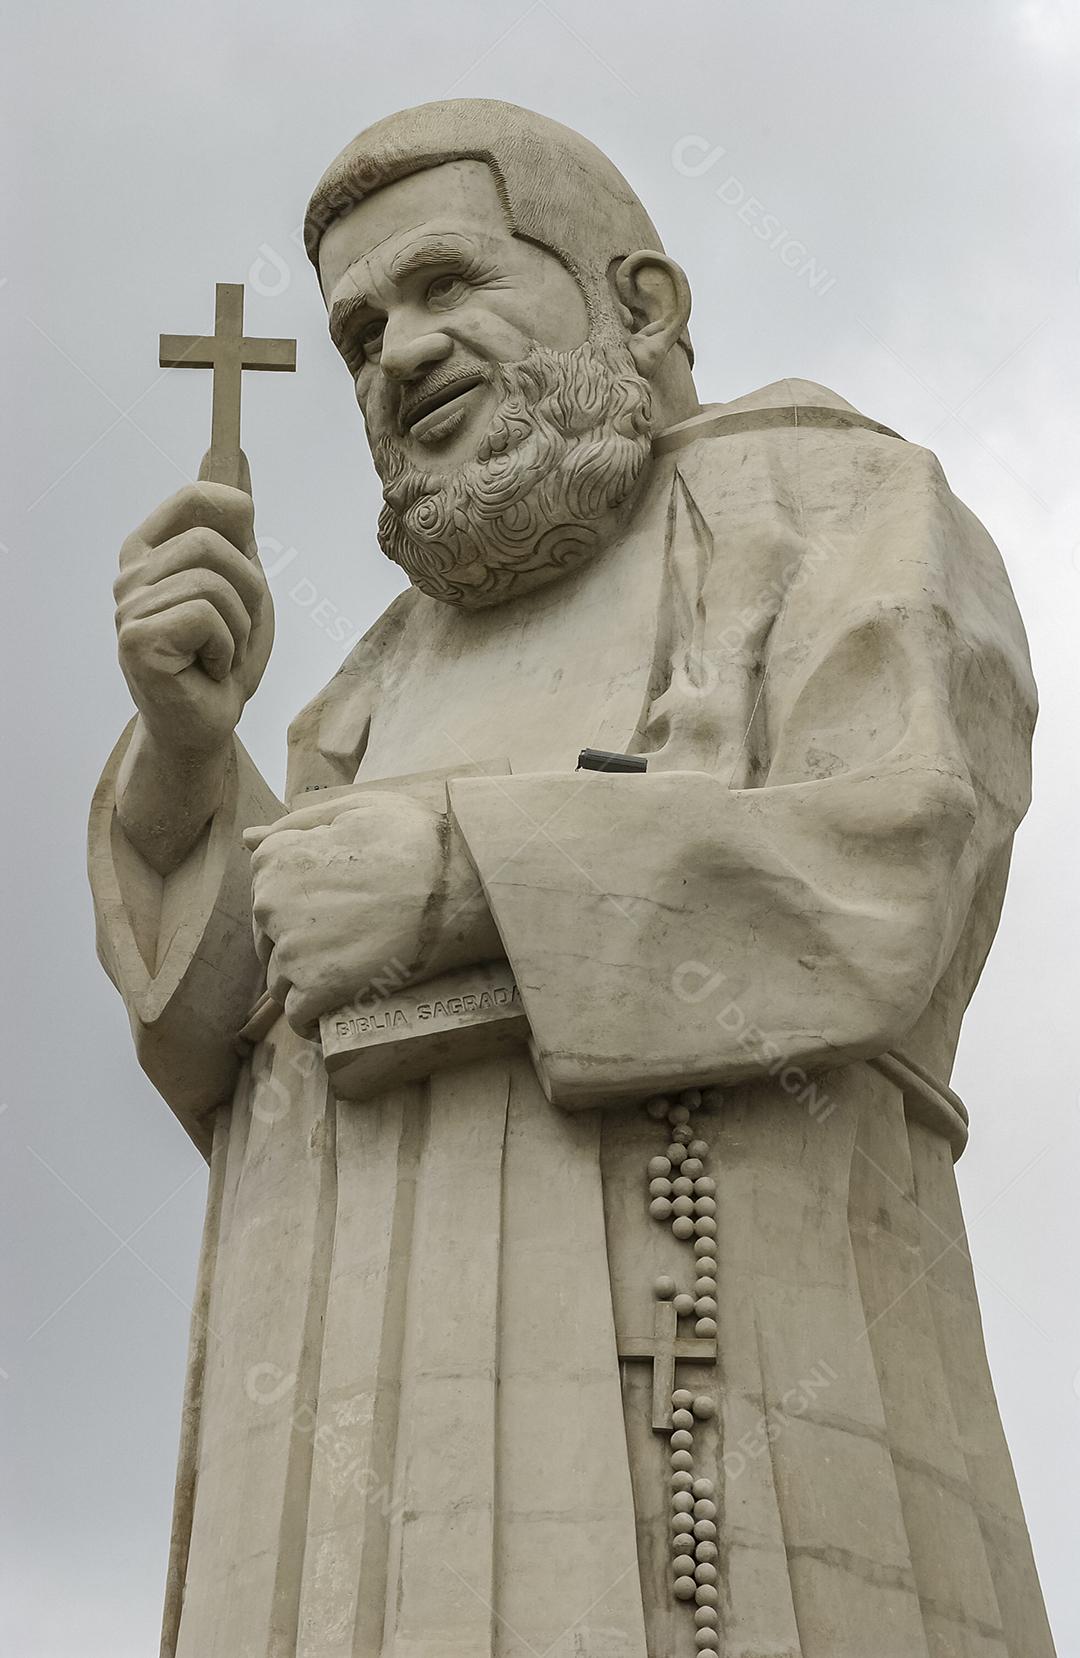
{"type": "Point", "coordinates": [923, 156]}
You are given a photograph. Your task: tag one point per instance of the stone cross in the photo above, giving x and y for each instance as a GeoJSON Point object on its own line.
{"type": "Point", "coordinates": [665, 1350]}
{"type": "Point", "coordinates": [226, 351]}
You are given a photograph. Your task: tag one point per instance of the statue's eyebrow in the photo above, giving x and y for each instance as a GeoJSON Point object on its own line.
{"type": "Point", "coordinates": [429, 250]}
{"type": "Point", "coordinates": [434, 248]}
{"type": "Point", "coordinates": [343, 313]}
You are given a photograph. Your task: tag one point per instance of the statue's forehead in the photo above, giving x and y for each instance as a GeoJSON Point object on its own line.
{"type": "Point", "coordinates": [458, 195]}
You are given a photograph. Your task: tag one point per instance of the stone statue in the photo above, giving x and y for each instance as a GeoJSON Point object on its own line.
{"type": "Point", "coordinates": [646, 1329]}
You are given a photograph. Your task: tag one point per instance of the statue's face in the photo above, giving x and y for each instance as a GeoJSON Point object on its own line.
{"type": "Point", "coordinates": [428, 292]}
{"type": "Point", "coordinates": [510, 445]}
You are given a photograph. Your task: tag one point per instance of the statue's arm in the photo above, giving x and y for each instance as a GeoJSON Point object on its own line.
{"type": "Point", "coordinates": [682, 933]}
{"type": "Point", "coordinates": [170, 875]}
{"type": "Point", "coordinates": [669, 929]}
{"type": "Point", "coordinates": [164, 800]}
{"type": "Point", "coordinates": [179, 946]}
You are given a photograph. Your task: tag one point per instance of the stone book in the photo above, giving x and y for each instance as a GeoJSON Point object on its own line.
{"type": "Point", "coordinates": [381, 1039]}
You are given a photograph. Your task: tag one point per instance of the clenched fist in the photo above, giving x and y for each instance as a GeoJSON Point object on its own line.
{"type": "Point", "coordinates": [195, 623]}
{"type": "Point", "coordinates": [356, 889]}
{"type": "Point", "coordinates": [194, 618]}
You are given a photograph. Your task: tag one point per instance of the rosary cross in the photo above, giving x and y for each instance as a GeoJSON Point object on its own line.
{"type": "Point", "coordinates": [664, 1352]}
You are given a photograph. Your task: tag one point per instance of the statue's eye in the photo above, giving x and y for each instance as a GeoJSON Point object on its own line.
{"type": "Point", "coordinates": [363, 344]}
{"type": "Point", "coordinates": [369, 337]}
{"type": "Point", "coordinates": [445, 290]}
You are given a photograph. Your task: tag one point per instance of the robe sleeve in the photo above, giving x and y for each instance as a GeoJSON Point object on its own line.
{"type": "Point", "coordinates": [669, 929]}
{"type": "Point", "coordinates": [179, 949]}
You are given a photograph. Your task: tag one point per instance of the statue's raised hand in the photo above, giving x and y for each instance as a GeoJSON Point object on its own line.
{"type": "Point", "coordinates": [194, 617]}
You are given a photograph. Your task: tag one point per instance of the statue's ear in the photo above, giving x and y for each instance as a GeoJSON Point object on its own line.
{"type": "Point", "coordinates": [655, 299]}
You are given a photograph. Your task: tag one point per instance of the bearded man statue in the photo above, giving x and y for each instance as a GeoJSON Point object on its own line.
{"type": "Point", "coordinates": [647, 1331]}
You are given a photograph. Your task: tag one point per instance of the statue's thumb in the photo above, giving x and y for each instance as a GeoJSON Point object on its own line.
{"type": "Point", "coordinates": [206, 473]}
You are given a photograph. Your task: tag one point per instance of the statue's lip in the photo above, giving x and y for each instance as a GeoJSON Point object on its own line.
{"type": "Point", "coordinates": [412, 415]}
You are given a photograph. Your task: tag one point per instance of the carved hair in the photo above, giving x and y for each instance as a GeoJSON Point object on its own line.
{"type": "Point", "coordinates": [557, 189]}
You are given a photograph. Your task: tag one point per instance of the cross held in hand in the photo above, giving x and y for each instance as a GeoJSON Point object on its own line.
{"type": "Point", "coordinates": [665, 1350]}
{"type": "Point", "coordinates": [226, 351]}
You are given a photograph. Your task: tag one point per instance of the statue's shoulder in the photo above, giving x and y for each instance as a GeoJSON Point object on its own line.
{"type": "Point", "coordinates": [809, 394]}
{"type": "Point", "coordinates": [793, 404]}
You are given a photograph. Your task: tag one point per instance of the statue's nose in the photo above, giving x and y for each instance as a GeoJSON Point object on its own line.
{"type": "Point", "coordinates": [408, 356]}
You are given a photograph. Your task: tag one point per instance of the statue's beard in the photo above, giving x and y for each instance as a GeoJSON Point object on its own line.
{"type": "Point", "coordinates": [550, 485]}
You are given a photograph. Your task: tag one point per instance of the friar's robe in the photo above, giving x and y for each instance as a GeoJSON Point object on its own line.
{"type": "Point", "coordinates": [407, 1430]}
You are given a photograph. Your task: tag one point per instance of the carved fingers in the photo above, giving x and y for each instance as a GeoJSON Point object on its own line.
{"type": "Point", "coordinates": [216, 506]}
{"type": "Point", "coordinates": [335, 904]}
{"type": "Point", "coordinates": [193, 614]}
{"type": "Point", "coordinates": [324, 812]}
{"type": "Point", "coordinates": [173, 621]}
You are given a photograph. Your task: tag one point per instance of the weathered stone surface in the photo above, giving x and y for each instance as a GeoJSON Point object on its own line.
{"type": "Point", "coordinates": [634, 1331]}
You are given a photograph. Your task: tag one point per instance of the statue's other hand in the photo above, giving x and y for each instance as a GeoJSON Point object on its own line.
{"type": "Point", "coordinates": [194, 618]}
{"type": "Point", "coordinates": [369, 889]}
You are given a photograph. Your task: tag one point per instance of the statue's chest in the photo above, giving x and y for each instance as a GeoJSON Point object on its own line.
{"type": "Point", "coordinates": [562, 669]}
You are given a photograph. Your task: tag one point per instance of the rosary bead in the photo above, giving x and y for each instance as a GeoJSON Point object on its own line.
{"type": "Point", "coordinates": [702, 1489]}
{"type": "Point", "coordinates": [684, 1305]}
{"type": "Point", "coordinates": [704, 1206]}
{"type": "Point", "coordinates": [704, 1531]}
{"type": "Point", "coordinates": [682, 1134]}
{"type": "Point", "coordinates": [682, 1399]}
{"type": "Point", "coordinates": [705, 1329]}
{"type": "Point", "coordinates": [683, 1543]}
{"type": "Point", "coordinates": [681, 1188]}
{"type": "Point", "coordinates": [685, 1482]}
{"type": "Point", "coordinates": [674, 1154]}
{"type": "Point", "coordinates": [706, 1572]}
{"type": "Point", "coordinates": [683, 1565]}
{"type": "Point", "coordinates": [706, 1265]}
{"type": "Point", "coordinates": [705, 1246]}
{"type": "Point", "coordinates": [685, 1419]}
{"type": "Point", "coordinates": [682, 1502]}
{"type": "Point", "coordinates": [684, 1588]}
{"type": "Point", "coordinates": [707, 1640]}
{"type": "Point", "coordinates": [699, 1148]}
{"type": "Point", "coordinates": [682, 1441]}
{"type": "Point", "coordinates": [683, 1206]}
{"type": "Point", "coordinates": [682, 1460]}
{"type": "Point", "coordinates": [703, 1406]}
{"type": "Point", "coordinates": [691, 1098]}
{"type": "Point", "coordinates": [704, 1186]}
{"type": "Point", "coordinates": [660, 1208]}
{"type": "Point", "coordinates": [704, 1509]}
{"type": "Point", "coordinates": [659, 1166]}
{"type": "Point", "coordinates": [706, 1595]}
{"type": "Point", "coordinates": [682, 1225]}
{"type": "Point", "coordinates": [692, 1166]}
{"type": "Point", "coordinates": [704, 1286]}
{"type": "Point", "coordinates": [705, 1306]}
{"type": "Point", "coordinates": [658, 1107]}
{"type": "Point", "coordinates": [660, 1187]}
{"type": "Point", "coordinates": [706, 1551]}
{"type": "Point", "coordinates": [678, 1114]}
{"type": "Point", "coordinates": [681, 1522]}
{"type": "Point", "coordinates": [706, 1617]}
